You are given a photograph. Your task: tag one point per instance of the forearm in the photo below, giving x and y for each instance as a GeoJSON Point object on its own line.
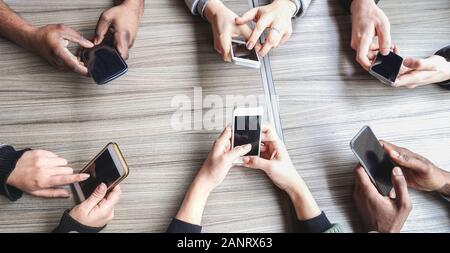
{"type": "Point", "coordinates": [191, 210]}
{"type": "Point", "coordinates": [305, 205]}
{"type": "Point", "coordinates": [13, 27]}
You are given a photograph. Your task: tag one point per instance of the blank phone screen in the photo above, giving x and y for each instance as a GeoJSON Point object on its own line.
{"type": "Point", "coordinates": [387, 66]}
{"type": "Point", "coordinates": [374, 159]}
{"type": "Point", "coordinates": [104, 63]}
{"type": "Point", "coordinates": [241, 51]}
{"type": "Point", "coordinates": [102, 170]}
{"type": "Point", "coordinates": [247, 130]}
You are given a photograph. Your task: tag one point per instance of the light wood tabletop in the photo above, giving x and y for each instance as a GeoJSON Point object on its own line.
{"type": "Point", "coordinates": [324, 99]}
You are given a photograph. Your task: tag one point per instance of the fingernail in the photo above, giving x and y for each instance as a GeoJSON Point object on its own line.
{"type": "Point", "coordinates": [250, 45]}
{"type": "Point", "coordinates": [102, 187]}
{"type": "Point", "coordinates": [398, 171]}
{"type": "Point", "coordinates": [84, 176]}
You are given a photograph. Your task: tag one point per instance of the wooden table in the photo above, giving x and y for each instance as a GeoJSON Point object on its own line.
{"type": "Point", "coordinates": [324, 99]}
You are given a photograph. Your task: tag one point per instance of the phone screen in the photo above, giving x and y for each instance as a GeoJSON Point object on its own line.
{"type": "Point", "coordinates": [247, 130]}
{"type": "Point", "coordinates": [104, 63]}
{"type": "Point", "coordinates": [102, 170]}
{"type": "Point", "coordinates": [374, 159]}
{"type": "Point", "coordinates": [387, 66]}
{"type": "Point", "coordinates": [241, 51]}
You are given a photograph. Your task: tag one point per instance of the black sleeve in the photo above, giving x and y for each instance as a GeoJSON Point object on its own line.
{"type": "Point", "coordinates": [347, 3]}
{"type": "Point", "coordinates": [317, 224]}
{"type": "Point", "coordinates": [179, 226]}
{"type": "Point", "coordinates": [8, 159]}
{"type": "Point", "coordinates": [445, 52]}
{"type": "Point", "coordinates": [70, 225]}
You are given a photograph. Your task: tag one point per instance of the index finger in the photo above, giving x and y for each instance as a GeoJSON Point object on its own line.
{"type": "Point", "coordinates": [247, 17]}
{"type": "Point", "coordinates": [74, 36]}
{"type": "Point", "coordinates": [405, 158]}
{"type": "Point", "coordinates": [223, 138]}
{"type": "Point", "coordinates": [71, 61]}
{"type": "Point", "coordinates": [363, 181]}
{"type": "Point", "coordinates": [260, 27]}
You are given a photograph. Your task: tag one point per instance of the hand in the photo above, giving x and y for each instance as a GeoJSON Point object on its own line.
{"type": "Point", "coordinates": [275, 16]}
{"type": "Point", "coordinates": [124, 21]}
{"type": "Point", "coordinates": [418, 72]}
{"type": "Point", "coordinates": [224, 28]}
{"type": "Point", "coordinates": [220, 159]}
{"type": "Point", "coordinates": [211, 174]}
{"type": "Point", "coordinates": [40, 172]}
{"type": "Point", "coordinates": [420, 173]}
{"type": "Point", "coordinates": [369, 21]}
{"type": "Point", "coordinates": [51, 42]}
{"type": "Point", "coordinates": [277, 164]}
{"type": "Point", "coordinates": [380, 213]}
{"type": "Point", "coordinates": [97, 210]}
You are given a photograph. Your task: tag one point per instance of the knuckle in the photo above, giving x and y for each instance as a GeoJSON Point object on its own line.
{"type": "Point", "coordinates": [106, 17]}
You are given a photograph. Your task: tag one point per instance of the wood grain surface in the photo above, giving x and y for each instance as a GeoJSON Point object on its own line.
{"type": "Point", "coordinates": [325, 98]}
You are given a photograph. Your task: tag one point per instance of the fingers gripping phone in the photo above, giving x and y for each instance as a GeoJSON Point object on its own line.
{"type": "Point", "coordinates": [247, 129]}
{"type": "Point", "coordinates": [240, 55]}
{"type": "Point", "coordinates": [103, 62]}
{"type": "Point", "coordinates": [107, 167]}
{"type": "Point", "coordinates": [374, 159]}
{"type": "Point", "coordinates": [386, 68]}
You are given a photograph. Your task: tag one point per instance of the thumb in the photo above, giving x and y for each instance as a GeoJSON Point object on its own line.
{"type": "Point", "coordinates": [255, 162]}
{"type": "Point", "coordinates": [95, 197]}
{"type": "Point", "coordinates": [401, 189]}
{"type": "Point", "coordinates": [239, 151]}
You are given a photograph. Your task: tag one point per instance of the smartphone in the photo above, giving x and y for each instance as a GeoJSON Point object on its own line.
{"type": "Point", "coordinates": [374, 159]}
{"type": "Point", "coordinates": [246, 129]}
{"type": "Point", "coordinates": [104, 63]}
{"type": "Point", "coordinates": [240, 55]}
{"type": "Point", "coordinates": [107, 167]}
{"type": "Point", "coordinates": [386, 68]}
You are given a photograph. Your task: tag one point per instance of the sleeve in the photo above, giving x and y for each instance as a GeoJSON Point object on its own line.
{"type": "Point", "coordinates": [444, 52]}
{"type": "Point", "coordinates": [70, 225]}
{"type": "Point", "coordinates": [179, 226]}
{"type": "Point", "coordinates": [8, 159]}
{"type": "Point", "coordinates": [302, 6]}
{"type": "Point", "coordinates": [347, 3]}
{"type": "Point", "coordinates": [319, 224]}
{"type": "Point", "coordinates": [196, 6]}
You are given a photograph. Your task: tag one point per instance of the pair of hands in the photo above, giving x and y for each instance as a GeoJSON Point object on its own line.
{"type": "Point", "coordinates": [51, 41]}
{"type": "Point", "coordinates": [274, 161]}
{"type": "Point", "coordinates": [226, 25]}
{"type": "Point", "coordinates": [368, 22]}
{"type": "Point", "coordinates": [41, 173]}
{"type": "Point", "coordinates": [388, 214]}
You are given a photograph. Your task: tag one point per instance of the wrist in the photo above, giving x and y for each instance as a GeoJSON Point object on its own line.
{"type": "Point", "coordinates": [212, 7]}
{"type": "Point", "coordinates": [25, 37]}
{"type": "Point", "coordinates": [136, 5]}
{"type": "Point", "coordinates": [358, 4]}
{"type": "Point", "coordinates": [290, 5]}
{"type": "Point", "coordinates": [445, 189]}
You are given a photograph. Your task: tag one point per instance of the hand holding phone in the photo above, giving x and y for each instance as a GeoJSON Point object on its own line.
{"type": "Point", "coordinates": [386, 68]}
{"type": "Point", "coordinates": [104, 63]}
{"type": "Point", "coordinates": [240, 55]}
{"type": "Point", "coordinates": [247, 129]}
{"type": "Point", "coordinates": [108, 167]}
{"type": "Point", "coordinates": [374, 159]}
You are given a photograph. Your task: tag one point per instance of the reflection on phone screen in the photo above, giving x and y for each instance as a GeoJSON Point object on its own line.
{"type": "Point", "coordinates": [387, 66]}
{"type": "Point", "coordinates": [374, 159]}
{"type": "Point", "coordinates": [241, 51]}
{"type": "Point", "coordinates": [102, 170]}
{"type": "Point", "coordinates": [247, 130]}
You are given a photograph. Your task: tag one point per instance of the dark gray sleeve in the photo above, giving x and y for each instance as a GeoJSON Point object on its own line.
{"type": "Point", "coordinates": [346, 3]}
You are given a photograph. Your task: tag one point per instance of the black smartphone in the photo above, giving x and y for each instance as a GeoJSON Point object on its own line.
{"type": "Point", "coordinates": [374, 159]}
{"type": "Point", "coordinates": [104, 63]}
{"type": "Point", "coordinates": [247, 129]}
{"type": "Point", "coordinates": [107, 167]}
{"type": "Point", "coordinates": [386, 67]}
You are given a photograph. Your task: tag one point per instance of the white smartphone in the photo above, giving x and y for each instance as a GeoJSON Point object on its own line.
{"type": "Point", "coordinates": [246, 129]}
{"type": "Point", "coordinates": [240, 55]}
{"type": "Point", "coordinates": [386, 68]}
{"type": "Point", "coordinates": [107, 167]}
